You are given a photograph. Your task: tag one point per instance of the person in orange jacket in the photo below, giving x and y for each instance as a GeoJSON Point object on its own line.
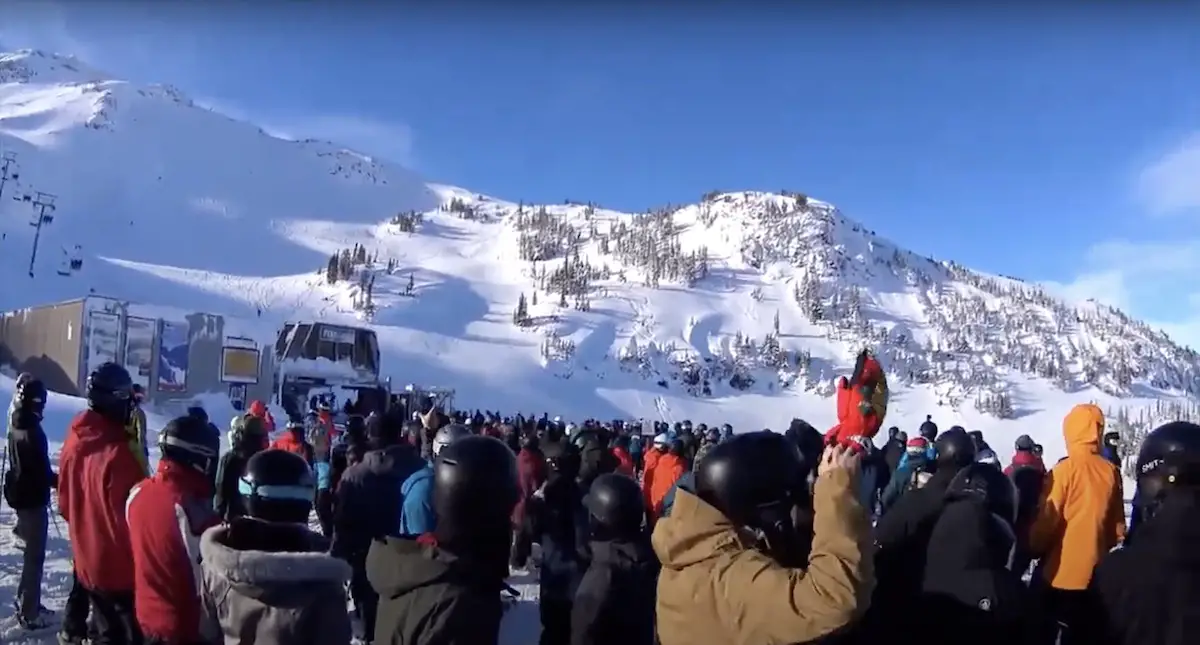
{"type": "Point", "coordinates": [325, 417]}
{"type": "Point", "coordinates": [293, 440]}
{"type": "Point", "coordinates": [670, 467]}
{"type": "Point", "coordinates": [1081, 517]}
{"type": "Point", "coordinates": [259, 409]}
{"type": "Point", "coordinates": [657, 450]}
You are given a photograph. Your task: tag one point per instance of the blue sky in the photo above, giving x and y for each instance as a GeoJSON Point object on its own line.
{"type": "Point", "coordinates": [1055, 144]}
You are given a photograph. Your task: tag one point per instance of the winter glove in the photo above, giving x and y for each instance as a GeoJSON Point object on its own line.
{"type": "Point", "coordinates": [861, 405]}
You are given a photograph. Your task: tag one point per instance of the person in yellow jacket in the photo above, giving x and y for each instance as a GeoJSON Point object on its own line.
{"type": "Point", "coordinates": [1081, 517]}
{"type": "Point", "coordinates": [137, 429]}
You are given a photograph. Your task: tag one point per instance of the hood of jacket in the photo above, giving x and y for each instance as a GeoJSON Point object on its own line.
{"type": "Point", "coordinates": [625, 555]}
{"type": "Point", "coordinates": [397, 566]}
{"type": "Point", "coordinates": [274, 578]}
{"type": "Point", "coordinates": [1174, 530]}
{"type": "Point", "coordinates": [1082, 429]}
{"type": "Point", "coordinates": [392, 458]}
{"type": "Point", "coordinates": [705, 534]}
{"type": "Point", "coordinates": [92, 428]}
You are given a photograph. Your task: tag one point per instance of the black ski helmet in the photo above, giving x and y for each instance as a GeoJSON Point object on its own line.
{"type": "Point", "coordinates": [1169, 458]}
{"type": "Point", "coordinates": [109, 392]}
{"type": "Point", "coordinates": [278, 486]}
{"type": "Point", "coordinates": [955, 448]}
{"type": "Point", "coordinates": [615, 503]}
{"type": "Point", "coordinates": [191, 443]}
{"type": "Point", "coordinates": [474, 484]}
{"type": "Point", "coordinates": [1111, 439]}
{"type": "Point", "coordinates": [562, 458]}
{"type": "Point", "coordinates": [753, 479]}
{"type": "Point", "coordinates": [987, 484]}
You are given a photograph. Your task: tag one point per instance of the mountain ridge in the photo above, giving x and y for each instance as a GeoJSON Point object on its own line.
{"type": "Point", "coordinates": [746, 303]}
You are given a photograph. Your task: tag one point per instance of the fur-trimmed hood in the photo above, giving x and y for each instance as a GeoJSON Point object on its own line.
{"type": "Point", "coordinates": [262, 574]}
{"type": "Point", "coordinates": [272, 584]}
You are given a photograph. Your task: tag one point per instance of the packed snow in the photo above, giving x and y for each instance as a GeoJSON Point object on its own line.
{"type": "Point", "coordinates": [741, 308]}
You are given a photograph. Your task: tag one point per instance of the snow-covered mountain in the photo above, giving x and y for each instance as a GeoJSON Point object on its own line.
{"type": "Point", "coordinates": [741, 307]}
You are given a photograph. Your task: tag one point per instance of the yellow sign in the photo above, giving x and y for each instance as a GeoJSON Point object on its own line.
{"type": "Point", "coordinates": [239, 365]}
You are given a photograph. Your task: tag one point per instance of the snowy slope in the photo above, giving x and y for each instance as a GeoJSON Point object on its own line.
{"type": "Point", "coordinates": [176, 205]}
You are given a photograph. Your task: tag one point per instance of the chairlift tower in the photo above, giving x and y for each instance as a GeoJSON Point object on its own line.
{"type": "Point", "coordinates": [44, 203]}
{"type": "Point", "coordinates": [8, 169]}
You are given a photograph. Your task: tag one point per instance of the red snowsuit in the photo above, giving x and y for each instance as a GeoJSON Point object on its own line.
{"type": "Point", "coordinates": [168, 513]}
{"type": "Point", "coordinates": [96, 470]}
{"type": "Point", "coordinates": [1022, 458]}
{"type": "Point", "coordinates": [531, 474]}
{"type": "Point", "coordinates": [296, 445]}
{"type": "Point", "coordinates": [624, 461]}
{"type": "Point", "coordinates": [861, 404]}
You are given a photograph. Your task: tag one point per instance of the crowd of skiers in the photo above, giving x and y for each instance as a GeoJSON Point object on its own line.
{"type": "Point", "coordinates": [678, 536]}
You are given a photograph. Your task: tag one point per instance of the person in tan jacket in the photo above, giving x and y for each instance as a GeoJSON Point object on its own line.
{"type": "Point", "coordinates": [1081, 518]}
{"type": "Point", "coordinates": [736, 568]}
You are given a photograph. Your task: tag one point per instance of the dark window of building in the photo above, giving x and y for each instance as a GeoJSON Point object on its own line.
{"type": "Point", "coordinates": [281, 342]}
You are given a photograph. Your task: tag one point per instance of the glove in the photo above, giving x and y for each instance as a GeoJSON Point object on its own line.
{"type": "Point", "coordinates": [861, 405]}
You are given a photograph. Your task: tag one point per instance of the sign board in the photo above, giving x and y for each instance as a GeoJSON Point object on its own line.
{"type": "Point", "coordinates": [237, 396]}
{"type": "Point", "coordinates": [337, 335]}
{"type": "Point", "coordinates": [239, 365]}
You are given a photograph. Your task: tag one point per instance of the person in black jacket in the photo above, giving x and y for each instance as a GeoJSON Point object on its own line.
{"type": "Point", "coordinates": [1147, 592]}
{"type": "Point", "coordinates": [367, 507]}
{"type": "Point", "coordinates": [968, 584]}
{"type": "Point", "coordinates": [28, 480]}
{"type": "Point", "coordinates": [556, 520]}
{"type": "Point", "coordinates": [902, 539]}
{"type": "Point", "coordinates": [894, 449]}
{"type": "Point", "coordinates": [596, 458]}
{"type": "Point", "coordinates": [615, 602]}
{"type": "Point", "coordinates": [445, 587]}
{"type": "Point", "coordinates": [247, 437]}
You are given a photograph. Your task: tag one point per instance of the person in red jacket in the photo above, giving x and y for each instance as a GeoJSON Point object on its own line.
{"type": "Point", "coordinates": [620, 450]}
{"type": "Point", "coordinates": [259, 409]}
{"type": "Point", "coordinates": [1025, 456]}
{"type": "Point", "coordinates": [531, 475]}
{"type": "Point", "coordinates": [167, 514]}
{"type": "Point", "coordinates": [293, 440]}
{"type": "Point", "coordinates": [96, 472]}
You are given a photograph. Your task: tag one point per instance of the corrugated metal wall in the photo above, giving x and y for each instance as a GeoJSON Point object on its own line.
{"type": "Point", "coordinates": [56, 343]}
{"type": "Point", "coordinates": [47, 342]}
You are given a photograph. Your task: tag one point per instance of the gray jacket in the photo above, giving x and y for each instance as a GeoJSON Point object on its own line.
{"type": "Point", "coordinates": [277, 597]}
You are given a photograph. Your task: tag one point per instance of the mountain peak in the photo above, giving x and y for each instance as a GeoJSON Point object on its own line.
{"type": "Point", "coordinates": [36, 65]}
{"type": "Point", "coordinates": [750, 301]}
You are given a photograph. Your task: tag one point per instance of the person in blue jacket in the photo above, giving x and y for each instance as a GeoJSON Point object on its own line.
{"type": "Point", "coordinates": [324, 502]}
{"type": "Point", "coordinates": [416, 514]}
{"type": "Point", "coordinates": [918, 454]}
{"type": "Point", "coordinates": [637, 449]}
